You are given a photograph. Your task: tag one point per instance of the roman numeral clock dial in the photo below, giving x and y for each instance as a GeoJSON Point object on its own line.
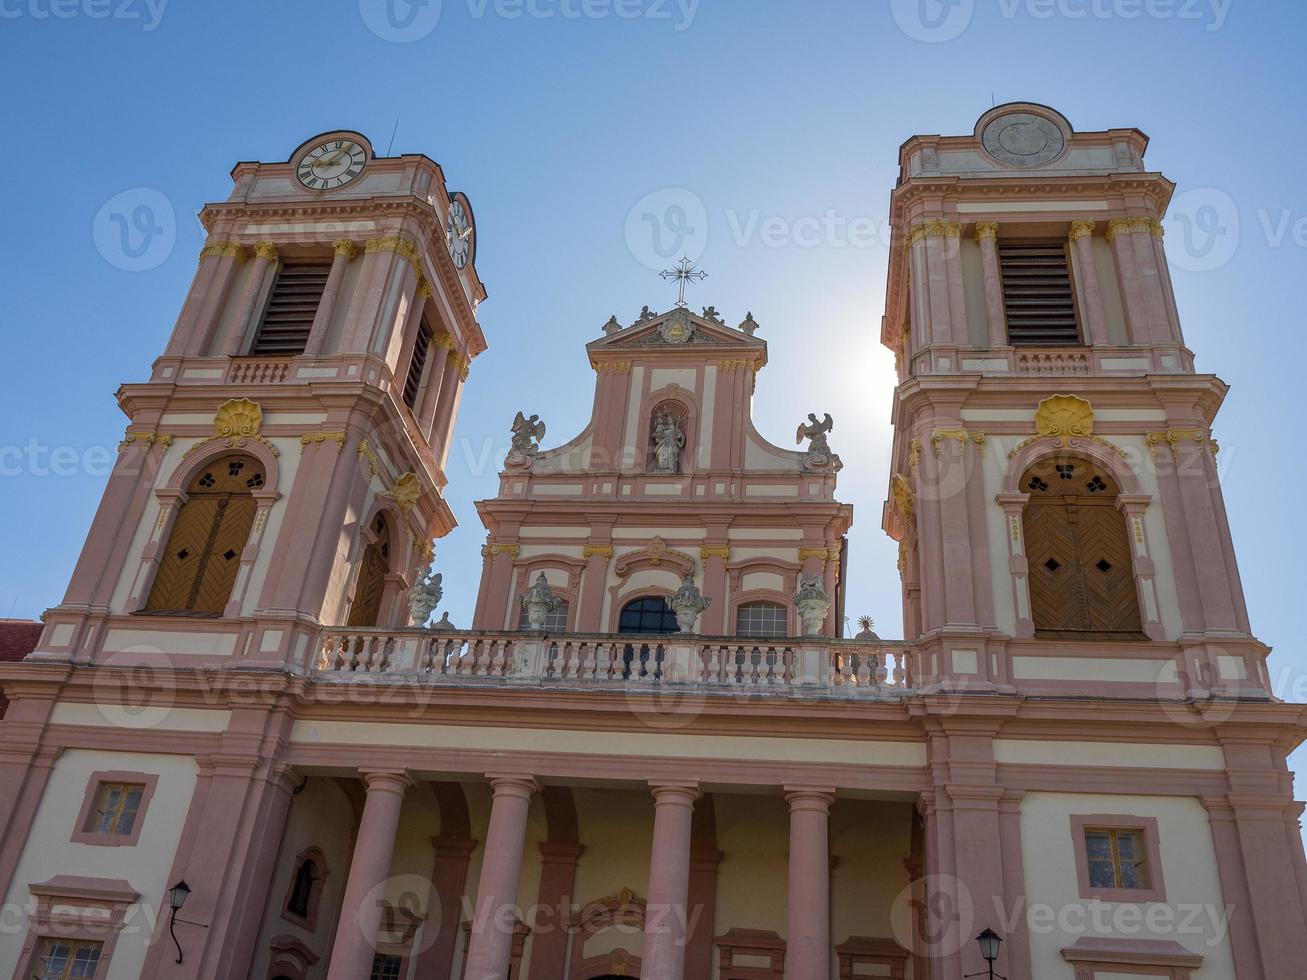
{"type": "Point", "coordinates": [460, 233]}
{"type": "Point", "coordinates": [331, 164]}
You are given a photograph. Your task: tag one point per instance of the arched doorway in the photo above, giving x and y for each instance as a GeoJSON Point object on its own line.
{"type": "Point", "coordinates": [197, 569]}
{"type": "Point", "coordinates": [1078, 550]}
{"type": "Point", "coordinates": [365, 610]}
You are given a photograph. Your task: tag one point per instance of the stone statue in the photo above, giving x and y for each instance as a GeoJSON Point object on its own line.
{"type": "Point", "coordinates": [527, 433]}
{"type": "Point", "coordinates": [710, 313]}
{"type": "Point", "coordinates": [424, 597]}
{"type": "Point", "coordinates": [688, 603]}
{"type": "Point", "coordinates": [669, 440]}
{"type": "Point", "coordinates": [443, 625]}
{"type": "Point", "coordinates": [646, 314]}
{"type": "Point", "coordinates": [813, 603]}
{"type": "Point", "coordinates": [749, 324]}
{"type": "Point", "coordinates": [539, 601]}
{"type": "Point", "coordinates": [612, 326]}
{"type": "Point", "coordinates": [815, 432]}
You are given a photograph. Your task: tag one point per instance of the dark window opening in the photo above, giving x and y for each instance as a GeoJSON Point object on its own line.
{"type": "Point", "coordinates": [292, 305]}
{"type": "Point", "coordinates": [417, 364]}
{"type": "Point", "coordinates": [648, 615]}
{"type": "Point", "coordinates": [1037, 294]}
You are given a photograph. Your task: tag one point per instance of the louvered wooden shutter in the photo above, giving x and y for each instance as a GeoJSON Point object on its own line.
{"type": "Point", "coordinates": [366, 608]}
{"type": "Point", "coordinates": [293, 304]}
{"type": "Point", "coordinates": [1037, 294]}
{"type": "Point", "coordinates": [416, 365]}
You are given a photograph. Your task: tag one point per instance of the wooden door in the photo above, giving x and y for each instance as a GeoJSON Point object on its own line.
{"type": "Point", "coordinates": [1078, 550]}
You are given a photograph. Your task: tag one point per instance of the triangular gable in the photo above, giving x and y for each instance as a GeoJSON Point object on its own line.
{"type": "Point", "coordinates": [677, 329]}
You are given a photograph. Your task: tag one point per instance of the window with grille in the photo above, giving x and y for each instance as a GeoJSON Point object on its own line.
{"type": "Point", "coordinates": [66, 959]}
{"type": "Point", "coordinates": [386, 966]}
{"type": "Point", "coordinates": [1037, 294]}
{"type": "Point", "coordinates": [555, 619]}
{"type": "Point", "coordinates": [761, 619]}
{"type": "Point", "coordinates": [417, 364]}
{"type": "Point", "coordinates": [117, 806]}
{"type": "Point", "coordinates": [1117, 857]}
{"type": "Point", "coordinates": [648, 615]}
{"type": "Point", "coordinates": [292, 305]}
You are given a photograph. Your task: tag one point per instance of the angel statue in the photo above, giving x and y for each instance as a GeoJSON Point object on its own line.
{"type": "Point", "coordinates": [527, 434]}
{"type": "Point", "coordinates": [816, 432]}
{"type": "Point", "coordinates": [424, 597]}
{"type": "Point", "coordinates": [668, 442]}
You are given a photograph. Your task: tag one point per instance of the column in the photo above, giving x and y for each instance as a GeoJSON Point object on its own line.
{"type": "Point", "coordinates": [265, 259]}
{"type": "Point", "coordinates": [995, 311]}
{"type": "Point", "coordinates": [1014, 505]}
{"type": "Point", "coordinates": [807, 939]}
{"type": "Point", "coordinates": [715, 554]}
{"type": "Point", "coordinates": [667, 911]}
{"type": "Point", "coordinates": [448, 882]}
{"type": "Point", "coordinates": [598, 553]}
{"type": "Point", "coordinates": [1132, 290]}
{"type": "Point", "coordinates": [219, 263]}
{"type": "Point", "coordinates": [490, 948]}
{"type": "Point", "coordinates": [360, 915]}
{"type": "Point", "coordinates": [429, 396]}
{"type": "Point", "coordinates": [442, 421]}
{"type": "Point", "coordinates": [1132, 506]}
{"type": "Point", "coordinates": [344, 253]}
{"type": "Point", "coordinates": [1082, 240]}
{"type": "Point", "coordinates": [557, 879]}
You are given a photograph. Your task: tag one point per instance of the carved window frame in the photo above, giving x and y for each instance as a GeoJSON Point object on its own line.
{"type": "Point", "coordinates": [308, 922]}
{"type": "Point", "coordinates": [94, 784]}
{"type": "Point", "coordinates": [1147, 826]}
{"type": "Point", "coordinates": [78, 909]}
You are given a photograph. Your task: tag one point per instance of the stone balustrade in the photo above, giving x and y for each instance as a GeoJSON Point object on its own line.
{"type": "Point", "coordinates": [731, 663]}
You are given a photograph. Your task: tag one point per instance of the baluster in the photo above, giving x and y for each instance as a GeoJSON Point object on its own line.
{"type": "Point", "coordinates": [864, 668]}
{"type": "Point", "coordinates": [714, 664]}
{"type": "Point", "coordinates": [495, 668]}
{"type": "Point", "coordinates": [882, 671]}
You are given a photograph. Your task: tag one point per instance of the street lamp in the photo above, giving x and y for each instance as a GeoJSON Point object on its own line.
{"type": "Point", "coordinates": [989, 942]}
{"type": "Point", "coordinates": [177, 896]}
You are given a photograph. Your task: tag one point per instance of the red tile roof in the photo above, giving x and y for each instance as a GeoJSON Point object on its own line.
{"type": "Point", "coordinates": [18, 638]}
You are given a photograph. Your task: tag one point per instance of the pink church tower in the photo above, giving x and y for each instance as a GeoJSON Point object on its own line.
{"type": "Point", "coordinates": [283, 466]}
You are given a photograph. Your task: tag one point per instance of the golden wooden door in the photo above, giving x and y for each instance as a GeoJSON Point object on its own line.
{"type": "Point", "coordinates": [365, 610]}
{"type": "Point", "coordinates": [1078, 551]}
{"type": "Point", "coordinates": [198, 567]}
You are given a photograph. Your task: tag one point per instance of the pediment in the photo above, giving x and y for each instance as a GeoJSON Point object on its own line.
{"type": "Point", "coordinates": [678, 329]}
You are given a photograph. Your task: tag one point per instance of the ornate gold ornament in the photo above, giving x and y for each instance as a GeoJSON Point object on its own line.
{"type": "Point", "coordinates": [937, 228]}
{"type": "Point", "coordinates": [742, 365]}
{"type": "Point", "coordinates": [914, 454]}
{"type": "Point", "coordinates": [501, 549]}
{"type": "Point", "coordinates": [146, 439]}
{"type": "Point", "coordinates": [236, 422]}
{"type": "Point", "coordinates": [822, 553]}
{"type": "Point", "coordinates": [318, 438]}
{"type": "Point", "coordinates": [1128, 226]}
{"type": "Point", "coordinates": [266, 250]}
{"type": "Point", "coordinates": [963, 436]}
{"type": "Point", "coordinates": [1014, 525]}
{"type": "Point", "coordinates": [723, 552]}
{"type": "Point", "coordinates": [1065, 417]}
{"type": "Point", "coordinates": [224, 250]}
{"type": "Point", "coordinates": [405, 491]}
{"type": "Point", "coordinates": [606, 550]}
{"type": "Point", "coordinates": [613, 367]}
{"type": "Point", "coordinates": [343, 246]}
{"type": "Point", "coordinates": [366, 455]}
{"type": "Point", "coordinates": [986, 229]}
{"type": "Point", "coordinates": [1082, 228]}
{"type": "Point", "coordinates": [1173, 437]}
{"type": "Point", "coordinates": [900, 489]}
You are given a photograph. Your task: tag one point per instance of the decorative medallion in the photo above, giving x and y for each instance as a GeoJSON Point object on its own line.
{"type": "Point", "coordinates": [677, 327]}
{"type": "Point", "coordinates": [1023, 139]}
{"type": "Point", "coordinates": [1064, 416]}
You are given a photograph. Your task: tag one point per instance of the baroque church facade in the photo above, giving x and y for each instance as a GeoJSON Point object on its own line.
{"type": "Point", "coordinates": [240, 748]}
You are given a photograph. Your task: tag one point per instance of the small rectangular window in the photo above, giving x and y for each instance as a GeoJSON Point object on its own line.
{"type": "Point", "coordinates": [292, 305]}
{"type": "Point", "coordinates": [1118, 857]}
{"type": "Point", "coordinates": [66, 959]}
{"type": "Point", "coordinates": [386, 967]}
{"type": "Point", "coordinates": [117, 806]}
{"type": "Point", "coordinates": [417, 364]}
{"type": "Point", "coordinates": [555, 619]}
{"type": "Point", "coordinates": [761, 619]}
{"type": "Point", "coordinates": [1038, 297]}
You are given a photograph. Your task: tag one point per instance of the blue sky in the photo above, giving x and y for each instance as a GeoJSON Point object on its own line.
{"type": "Point", "coordinates": [781, 120]}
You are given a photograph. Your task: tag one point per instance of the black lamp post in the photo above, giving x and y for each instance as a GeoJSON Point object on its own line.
{"type": "Point", "coordinates": [989, 942]}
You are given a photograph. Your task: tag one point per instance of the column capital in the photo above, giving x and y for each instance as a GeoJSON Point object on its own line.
{"type": "Point", "coordinates": [817, 798]}
{"type": "Point", "coordinates": [345, 247]}
{"type": "Point", "coordinates": [514, 785]}
{"type": "Point", "coordinates": [387, 781]}
{"type": "Point", "coordinates": [986, 229]}
{"type": "Point", "coordinates": [266, 251]}
{"type": "Point", "coordinates": [675, 794]}
{"type": "Point", "coordinates": [1082, 228]}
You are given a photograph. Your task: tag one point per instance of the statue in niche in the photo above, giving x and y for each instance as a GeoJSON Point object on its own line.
{"type": "Point", "coordinates": [669, 440]}
{"type": "Point", "coordinates": [815, 431]}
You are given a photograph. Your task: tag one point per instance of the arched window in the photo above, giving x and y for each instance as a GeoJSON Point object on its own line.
{"type": "Point", "coordinates": [301, 891]}
{"type": "Point", "coordinates": [555, 620]}
{"type": "Point", "coordinates": [365, 610]}
{"type": "Point", "coordinates": [198, 567]}
{"type": "Point", "coordinates": [1078, 550]}
{"type": "Point", "coordinates": [761, 619]}
{"type": "Point", "coordinates": [648, 615]}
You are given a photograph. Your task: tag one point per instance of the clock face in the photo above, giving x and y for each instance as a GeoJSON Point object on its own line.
{"type": "Point", "coordinates": [459, 233]}
{"type": "Point", "coordinates": [331, 164]}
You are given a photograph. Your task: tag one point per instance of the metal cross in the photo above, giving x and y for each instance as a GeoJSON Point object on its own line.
{"type": "Point", "coordinates": [683, 272]}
